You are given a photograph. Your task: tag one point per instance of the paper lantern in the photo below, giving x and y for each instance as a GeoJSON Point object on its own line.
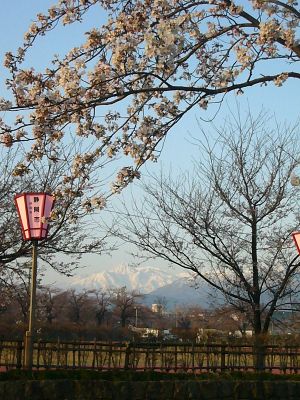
{"type": "Point", "coordinates": [34, 210]}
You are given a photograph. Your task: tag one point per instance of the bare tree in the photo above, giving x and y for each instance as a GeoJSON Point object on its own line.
{"type": "Point", "coordinates": [184, 321]}
{"type": "Point", "coordinates": [102, 303]}
{"type": "Point", "coordinates": [77, 302]}
{"type": "Point", "coordinates": [124, 302]}
{"type": "Point", "coordinates": [5, 297]}
{"type": "Point", "coordinates": [50, 303]}
{"type": "Point", "coordinates": [161, 304]}
{"type": "Point", "coordinates": [17, 282]}
{"type": "Point", "coordinates": [231, 222]}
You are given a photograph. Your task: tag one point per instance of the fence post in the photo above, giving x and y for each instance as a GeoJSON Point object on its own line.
{"type": "Point", "coordinates": [127, 356]}
{"type": "Point", "coordinates": [223, 356]}
{"type": "Point", "coordinates": [58, 361]}
{"type": "Point", "coordinates": [94, 353]}
{"type": "Point", "coordinates": [19, 354]}
{"type": "Point", "coordinates": [38, 353]}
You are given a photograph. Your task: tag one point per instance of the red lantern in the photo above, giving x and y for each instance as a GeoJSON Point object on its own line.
{"type": "Point", "coordinates": [34, 210]}
{"type": "Point", "coordinates": [296, 237]}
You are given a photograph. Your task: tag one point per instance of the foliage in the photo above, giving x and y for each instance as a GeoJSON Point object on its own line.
{"type": "Point", "coordinates": [157, 59]}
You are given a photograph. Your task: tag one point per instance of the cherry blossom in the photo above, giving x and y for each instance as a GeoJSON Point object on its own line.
{"type": "Point", "coordinates": [157, 59]}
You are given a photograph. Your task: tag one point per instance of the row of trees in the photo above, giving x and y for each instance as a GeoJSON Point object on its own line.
{"type": "Point", "coordinates": [68, 309]}
{"type": "Point", "coordinates": [113, 314]}
{"type": "Point", "coordinates": [99, 313]}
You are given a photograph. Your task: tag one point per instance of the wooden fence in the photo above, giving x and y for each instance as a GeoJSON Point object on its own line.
{"type": "Point", "coordinates": [177, 357]}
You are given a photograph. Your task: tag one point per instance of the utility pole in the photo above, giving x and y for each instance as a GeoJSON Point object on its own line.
{"type": "Point", "coordinates": [136, 317]}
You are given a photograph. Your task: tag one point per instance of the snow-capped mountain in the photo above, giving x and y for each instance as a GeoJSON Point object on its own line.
{"type": "Point", "coordinates": [143, 279]}
{"type": "Point", "coordinates": [175, 288]}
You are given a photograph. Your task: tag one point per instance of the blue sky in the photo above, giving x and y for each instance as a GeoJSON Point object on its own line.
{"type": "Point", "coordinates": [178, 152]}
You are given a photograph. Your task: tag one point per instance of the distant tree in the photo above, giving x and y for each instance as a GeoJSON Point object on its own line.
{"type": "Point", "coordinates": [77, 304]}
{"type": "Point", "coordinates": [17, 282]}
{"type": "Point", "coordinates": [157, 59]}
{"type": "Point", "coordinates": [5, 297]}
{"type": "Point", "coordinates": [102, 300]}
{"type": "Point", "coordinates": [124, 302]}
{"type": "Point", "coordinates": [184, 321]}
{"type": "Point", "coordinates": [230, 223]}
{"type": "Point", "coordinates": [227, 319]}
{"type": "Point", "coordinates": [162, 303]}
{"type": "Point", "coordinates": [50, 303]}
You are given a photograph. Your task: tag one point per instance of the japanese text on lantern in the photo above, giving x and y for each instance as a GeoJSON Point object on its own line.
{"type": "Point", "coordinates": [34, 210]}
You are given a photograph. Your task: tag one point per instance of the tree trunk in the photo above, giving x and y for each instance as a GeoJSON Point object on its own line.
{"type": "Point", "coordinates": [259, 351]}
{"type": "Point", "coordinates": [259, 345]}
{"type": "Point", "coordinates": [123, 320]}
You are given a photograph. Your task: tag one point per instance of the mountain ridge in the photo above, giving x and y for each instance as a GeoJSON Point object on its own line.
{"type": "Point", "coordinates": [143, 279]}
{"type": "Point", "coordinates": [176, 288]}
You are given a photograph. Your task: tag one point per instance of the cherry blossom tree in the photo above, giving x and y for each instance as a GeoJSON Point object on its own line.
{"type": "Point", "coordinates": [157, 59]}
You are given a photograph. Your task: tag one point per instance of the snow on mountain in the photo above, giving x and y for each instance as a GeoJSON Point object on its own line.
{"type": "Point", "coordinates": [175, 288]}
{"type": "Point", "coordinates": [143, 279]}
